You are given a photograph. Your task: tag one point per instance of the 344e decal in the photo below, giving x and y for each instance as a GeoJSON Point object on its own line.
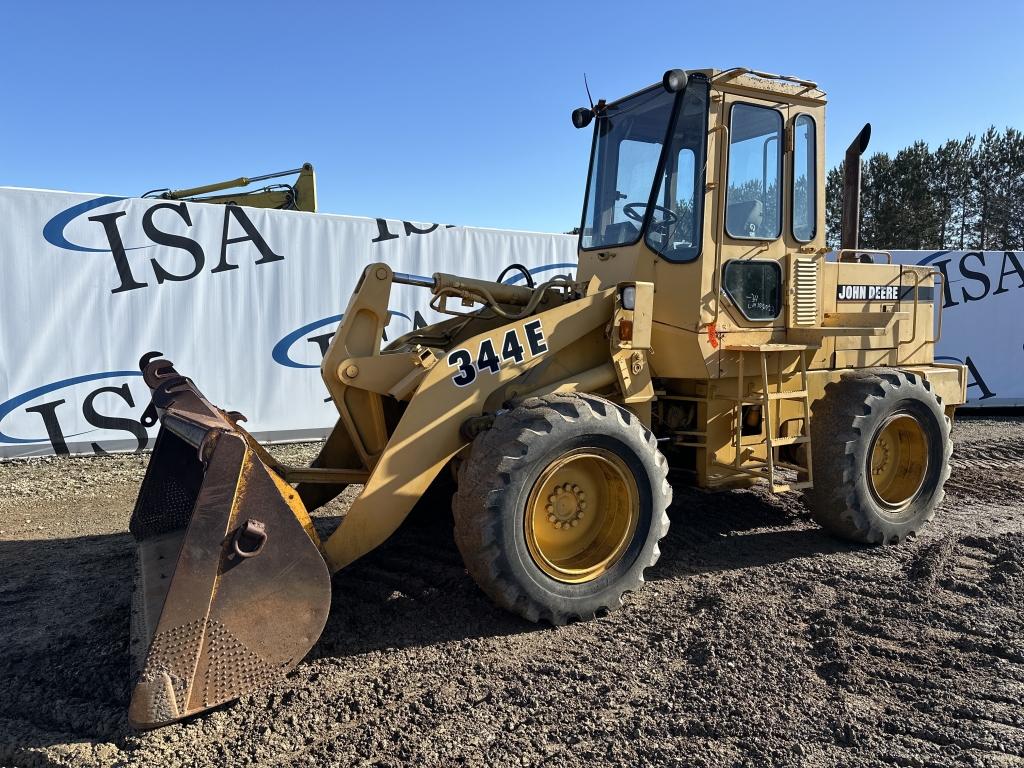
{"type": "Point", "coordinates": [488, 359]}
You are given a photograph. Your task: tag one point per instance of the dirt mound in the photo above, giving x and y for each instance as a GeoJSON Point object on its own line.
{"type": "Point", "coordinates": [759, 640]}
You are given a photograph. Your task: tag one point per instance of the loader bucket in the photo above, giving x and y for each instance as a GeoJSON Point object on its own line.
{"type": "Point", "coordinates": [231, 590]}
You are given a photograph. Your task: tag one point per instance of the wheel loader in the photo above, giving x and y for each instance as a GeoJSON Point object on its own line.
{"type": "Point", "coordinates": [708, 332]}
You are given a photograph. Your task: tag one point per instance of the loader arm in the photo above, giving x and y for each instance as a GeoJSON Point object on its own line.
{"type": "Point", "coordinates": [429, 432]}
{"type": "Point", "coordinates": [232, 581]}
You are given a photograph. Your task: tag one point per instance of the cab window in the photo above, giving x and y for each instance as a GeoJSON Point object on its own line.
{"type": "Point", "coordinates": [628, 141]}
{"type": "Point", "coordinates": [804, 178]}
{"type": "Point", "coordinates": [754, 287]}
{"type": "Point", "coordinates": [638, 164]}
{"type": "Point", "coordinates": [754, 195]}
{"type": "Point", "coordinates": [674, 231]}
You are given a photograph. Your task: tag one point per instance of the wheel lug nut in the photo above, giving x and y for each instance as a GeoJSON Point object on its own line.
{"type": "Point", "coordinates": [549, 508]}
{"type": "Point", "coordinates": [579, 515]}
{"type": "Point", "coordinates": [583, 505]}
{"type": "Point", "coordinates": [574, 523]}
{"type": "Point", "coordinates": [567, 487]}
{"type": "Point", "coordinates": [551, 518]}
{"type": "Point", "coordinates": [559, 491]}
{"type": "Point", "coordinates": [576, 489]}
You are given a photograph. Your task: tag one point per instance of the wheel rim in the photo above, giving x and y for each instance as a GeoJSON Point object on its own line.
{"type": "Point", "coordinates": [581, 515]}
{"type": "Point", "coordinates": [898, 461]}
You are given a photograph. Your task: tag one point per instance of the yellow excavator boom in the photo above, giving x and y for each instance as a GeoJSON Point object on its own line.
{"type": "Point", "coordinates": [300, 195]}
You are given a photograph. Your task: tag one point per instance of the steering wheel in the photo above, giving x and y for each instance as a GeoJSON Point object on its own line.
{"type": "Point", "coordinates": [636, 211]}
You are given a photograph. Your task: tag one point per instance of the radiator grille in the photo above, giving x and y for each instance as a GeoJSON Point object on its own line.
{"type": "Point", "coordinates": [806, 279]}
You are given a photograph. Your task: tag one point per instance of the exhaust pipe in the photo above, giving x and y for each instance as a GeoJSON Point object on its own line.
{"type": "Point", "coordinates": [850, 237]}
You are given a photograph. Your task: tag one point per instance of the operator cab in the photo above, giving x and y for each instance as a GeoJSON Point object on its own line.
{"type": "Point", "coordinates": [717, 170]}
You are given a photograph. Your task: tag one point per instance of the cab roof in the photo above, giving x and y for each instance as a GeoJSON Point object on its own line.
{"type": "Point", "coordinates": [755, 82]}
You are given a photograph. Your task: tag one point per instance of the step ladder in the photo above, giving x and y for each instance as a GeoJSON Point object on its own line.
{"type": "Point", "coordinates": [772, 442]}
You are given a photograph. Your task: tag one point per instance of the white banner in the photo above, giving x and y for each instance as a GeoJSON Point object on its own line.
{"type": "Point", "coordinates": [242, 300]}
{"type": "Point", "coordinates": [982, 319]}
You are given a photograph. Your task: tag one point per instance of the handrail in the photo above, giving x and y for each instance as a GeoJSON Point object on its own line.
{"type": "Point", "coordinates": [721, 182]}
{"type": "Point", "coordinates": [855, 251]}
{"type": "Point", "coordinates": [917, 295]}
{"type": "Point", "coordinates": [737, 71]}
{"type": "Point", "coordinates": [941, 299]}
{"type": "Point", "coordinates": [918, 277]}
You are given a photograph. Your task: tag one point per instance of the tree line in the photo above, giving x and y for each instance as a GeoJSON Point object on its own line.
{"type": "Point", "coordinates": [965, 195]}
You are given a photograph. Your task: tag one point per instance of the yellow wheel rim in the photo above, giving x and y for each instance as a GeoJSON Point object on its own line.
{"type": "Point", "coordinates": [898, 461]}
{"type": "Point", "coordinates": [581, 515]}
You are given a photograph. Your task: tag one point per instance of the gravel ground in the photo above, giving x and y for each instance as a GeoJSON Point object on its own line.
{"type": "Point", "coordinates": [758, 641]}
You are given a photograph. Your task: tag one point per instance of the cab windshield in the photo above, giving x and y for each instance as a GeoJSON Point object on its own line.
{"type": "Point", "coordinates": [627, 194]}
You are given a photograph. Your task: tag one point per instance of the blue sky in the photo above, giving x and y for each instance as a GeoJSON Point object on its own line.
{"type": "Point", "coordinates": [453, 112]}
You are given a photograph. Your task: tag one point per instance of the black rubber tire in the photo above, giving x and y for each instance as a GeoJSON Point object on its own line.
{"type": "Point", "coordinates": [494, 485]}
{"type": "Point", "coordinates": [843, 427]}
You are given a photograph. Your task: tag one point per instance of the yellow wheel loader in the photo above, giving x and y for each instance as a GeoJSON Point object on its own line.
{"type": "Point", "coordinates": [707, 332]}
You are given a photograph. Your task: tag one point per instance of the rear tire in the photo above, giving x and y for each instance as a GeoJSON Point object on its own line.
{"type": "Point", "coordinates": [560, 507]}
{"type": "Point", "coordinates": [880, 445]}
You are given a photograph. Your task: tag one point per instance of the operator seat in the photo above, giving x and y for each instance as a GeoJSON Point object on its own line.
{"type": "Point", "coordinates": [743, 219]}
{"type": "Point", "coordinates": [621, 232]}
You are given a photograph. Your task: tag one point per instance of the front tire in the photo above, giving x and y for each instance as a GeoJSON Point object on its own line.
{"type": "Point", "coordinates": [560, 507]}
{"type": "Point", "coordinates": [880, 446]}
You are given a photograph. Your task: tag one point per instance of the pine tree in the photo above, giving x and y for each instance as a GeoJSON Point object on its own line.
{"type": "Point", "coordinates": [950, 180]}
{"type": "Point", "coordinates": [964, 191]}
{"type": "Point", "coordinates": [879, 213]}
{"type": "Point", "coordinates": [985, 167]}
{"type": "Point", "coordinates": [912, 215]}
{"type": "Point", "coordinates": [967, 194]}
{"type": "Point", "coordinates": [834, 206]}
{"type": "Point", "coordinates": [1007, 198]}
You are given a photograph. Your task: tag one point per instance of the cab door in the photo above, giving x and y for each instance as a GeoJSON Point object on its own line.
{"type": "Point", "coordinates": [753, 242]}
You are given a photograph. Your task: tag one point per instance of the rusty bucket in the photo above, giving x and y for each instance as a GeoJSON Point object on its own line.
{"type": "Point", "coordinates": [231, 590]}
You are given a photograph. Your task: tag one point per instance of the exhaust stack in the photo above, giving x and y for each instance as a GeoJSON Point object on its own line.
{"type": "Point", "coordinates": [850, 237]}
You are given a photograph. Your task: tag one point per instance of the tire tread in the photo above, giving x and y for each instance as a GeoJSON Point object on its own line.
{"type": "Point", "coordinates": [488, 474]}
{"type": "Point", "coordinates": [838, 425]}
